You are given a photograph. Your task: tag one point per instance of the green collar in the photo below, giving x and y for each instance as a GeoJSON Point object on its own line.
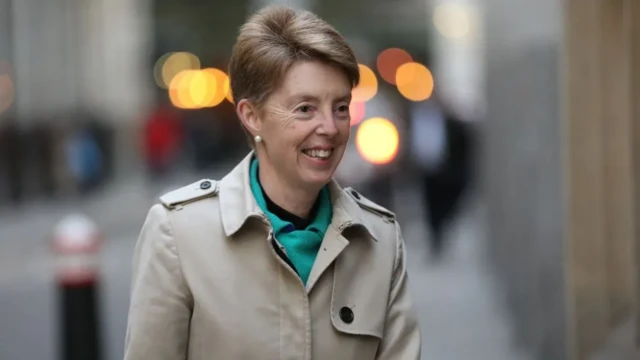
{"type": "Point", "coordinates": [319, 225]}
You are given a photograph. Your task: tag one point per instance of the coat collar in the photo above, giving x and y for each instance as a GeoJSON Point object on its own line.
{"type": "Point", "coordinates": [238, 204]}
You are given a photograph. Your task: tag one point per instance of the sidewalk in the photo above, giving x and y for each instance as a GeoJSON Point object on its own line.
{"type": "Point", "coordinates": [620, 345]}
{"type": "Point", "coordinates": [456, 297]}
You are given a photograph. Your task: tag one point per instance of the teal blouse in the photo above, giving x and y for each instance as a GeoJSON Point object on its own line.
{"type": "Point", "coordinates": [301, 246]}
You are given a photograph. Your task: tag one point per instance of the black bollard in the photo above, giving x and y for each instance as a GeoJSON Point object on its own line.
{"type": "Point", "coordinates": [76, 245]}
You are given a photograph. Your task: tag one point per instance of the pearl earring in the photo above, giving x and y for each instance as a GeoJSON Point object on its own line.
{"type": "Point", "coordinates": [258, 138]}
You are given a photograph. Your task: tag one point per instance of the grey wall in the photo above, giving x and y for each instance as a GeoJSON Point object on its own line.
{"type": "Point", "coordinates": [5, 29]}
{"type": "Point", "coordinates": [522, 168]}
{"type": "Point", "coordinates": [69, 55]}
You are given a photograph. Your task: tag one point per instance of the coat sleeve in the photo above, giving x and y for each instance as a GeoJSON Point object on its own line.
{"type": "Point", "coordinates": [161, 303]}
{"type": "Point", "coordinates": [402, 338]}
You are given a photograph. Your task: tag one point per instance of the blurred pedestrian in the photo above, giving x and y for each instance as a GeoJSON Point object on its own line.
{"type": "Point", "coordinates": [84, 160]}
{"type": "Point", "coordinates": [330, 280]}
{"type": "Point", "coordinates": [162, 140]}
{"type": "Point", "coordinates": [443, 145]}
{"type": "Point", "coordinates": [12, 158]}
{"type": "Point", "coordinates": [42, 143]}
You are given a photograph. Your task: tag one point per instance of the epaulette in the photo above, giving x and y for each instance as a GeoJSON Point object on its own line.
{"type": "Point", "coordinates": [370, 206]}
{"type": "Point", "coordinates": [191, 193]}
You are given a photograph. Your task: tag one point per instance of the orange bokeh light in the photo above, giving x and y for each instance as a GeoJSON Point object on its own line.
{"type": "Point", "coordinates": [414, 81]}
{"type": "Point", "coordinates": [368, 86]}
{"type": "Point", "coordinates": [193, 89]}
{"type": "Point", "coordinates": [177, 89]}
{"type": "Point", "coordinates": [227, 90]}
{"type": "Point", "coordinates": [196, 89]}
{"type": "Point", "coordinates": [389, 61]}
{"type": "Point", "coordinates": [219, 92]}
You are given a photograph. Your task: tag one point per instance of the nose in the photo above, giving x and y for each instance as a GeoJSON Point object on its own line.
{"type": "Point", "coordinates": [328, 126]}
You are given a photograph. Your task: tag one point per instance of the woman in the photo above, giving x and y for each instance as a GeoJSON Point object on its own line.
{"type": "Point", "coordinates": [276, 261]}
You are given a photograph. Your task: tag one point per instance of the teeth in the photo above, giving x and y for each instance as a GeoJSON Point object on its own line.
{"type": "Point", "coordinates": [322, 154]}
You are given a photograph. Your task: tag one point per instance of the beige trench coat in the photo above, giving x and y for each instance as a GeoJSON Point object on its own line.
{"type": "Point", "coordinates": [209, 283]}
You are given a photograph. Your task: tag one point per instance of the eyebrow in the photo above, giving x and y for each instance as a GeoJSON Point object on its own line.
{"type": "Point", "coordinates": [308, 97]}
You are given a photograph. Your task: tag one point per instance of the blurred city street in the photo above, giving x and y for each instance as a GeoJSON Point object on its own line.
{"type": "Point", "coordinates": [519, 121]}
{"type": "Point", "coordinates": [458, 308]}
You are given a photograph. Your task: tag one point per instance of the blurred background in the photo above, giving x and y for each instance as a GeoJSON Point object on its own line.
{"type": "Point", "coordinates": [504, 134]}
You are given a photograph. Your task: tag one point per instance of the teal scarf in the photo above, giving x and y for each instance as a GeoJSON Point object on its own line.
{"type": "Point", "coordinates": [302, 246]}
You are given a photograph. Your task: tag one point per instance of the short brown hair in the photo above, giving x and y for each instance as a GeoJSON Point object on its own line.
{"type": "Point", "coordinates": [275, 38]}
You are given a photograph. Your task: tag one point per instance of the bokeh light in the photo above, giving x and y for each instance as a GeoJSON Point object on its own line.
{"type": "Point", "coordinates": [389, 61]}
{"type": "Point", "coordinates": [356, 112]}
{"type": "Point", "coordinates": [377, 140]}
{"type": "Point", "coordinates": [193, 89]}
{"type": "Point", "coordinates": [227, 90]}
{"type": "Point", "coordinates": [414, 81]}
{"type": "Point", "coordinates": [169, 65]}
{"type": "Point", "coordinates": [178, 93]}
{"type": "Point", "coordinates": [7, 89]}
{"type": "Point", "coordinates": [7, 92]}
{"type": "Point", "coordinates": [368, 86]}
{"type": "Point", "coordinates": [202, 89]}
{"type": "Point", "coordinates": [452, 20]}
{"type": "Point", "coordinates": [219, 92]}
{"type": "Point", "coordinates": [196, 89]}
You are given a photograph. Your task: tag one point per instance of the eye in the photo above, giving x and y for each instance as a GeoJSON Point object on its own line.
{"type": "Point", "coordinates": [343, 110]}
{"type": "Point", "coordinates": [304, 109]}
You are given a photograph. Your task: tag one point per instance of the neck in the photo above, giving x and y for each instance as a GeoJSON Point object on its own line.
{"type": "Point", "coordinates": [293, 199]}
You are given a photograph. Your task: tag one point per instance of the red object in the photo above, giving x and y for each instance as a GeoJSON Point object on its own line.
{"type": "Point", "coordinates": [162, 136]}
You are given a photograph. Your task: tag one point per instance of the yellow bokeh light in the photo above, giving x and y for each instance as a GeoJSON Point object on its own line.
{"type": "Point", "coordinates": [178, 90]}
{"type": "Point", "coordinates": [227, 90]}
{"type": "Point", "coordinates": [368, 86]}
{"type": "Point", "coordinates": [389, 61]}
{"type": "Point", "coordinates": [377, 140]}
{"type": "Point", "coordinates": [219, 90]}
{"type": "Point", "coordinates": [202, 89]}
{"type": "Point", "coordinates": [414, 81]}
{"type": "Point", "coordinates": [452, 20]}
{"type": "Point", "coordinates": [196, 89]}
{"type": "Point", "coordinates": [7, 92]}
{"type": "Point", "coordinates": [169, 65]}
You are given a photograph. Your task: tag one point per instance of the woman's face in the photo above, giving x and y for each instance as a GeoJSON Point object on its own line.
{"type": "Point", "coordinates": [305, 124]}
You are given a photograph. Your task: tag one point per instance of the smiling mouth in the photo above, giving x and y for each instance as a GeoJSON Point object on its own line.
{"type": "Point", "coordinates": [318, 154]}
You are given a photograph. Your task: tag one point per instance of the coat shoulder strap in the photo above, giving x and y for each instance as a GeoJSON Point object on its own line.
{"type": "Point", "coordinates": [196, 191]}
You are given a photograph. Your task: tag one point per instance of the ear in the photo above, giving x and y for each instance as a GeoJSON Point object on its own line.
{"type": "Point", "coordinates": [249, 116]}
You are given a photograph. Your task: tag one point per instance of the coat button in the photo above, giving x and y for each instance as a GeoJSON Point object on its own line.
{"type": "Point", "coordinates": [355, 194]}
{"type": "Point", "coordinates": [205, 185]}
{"type": "Point", "coordinates": [346, 315]}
